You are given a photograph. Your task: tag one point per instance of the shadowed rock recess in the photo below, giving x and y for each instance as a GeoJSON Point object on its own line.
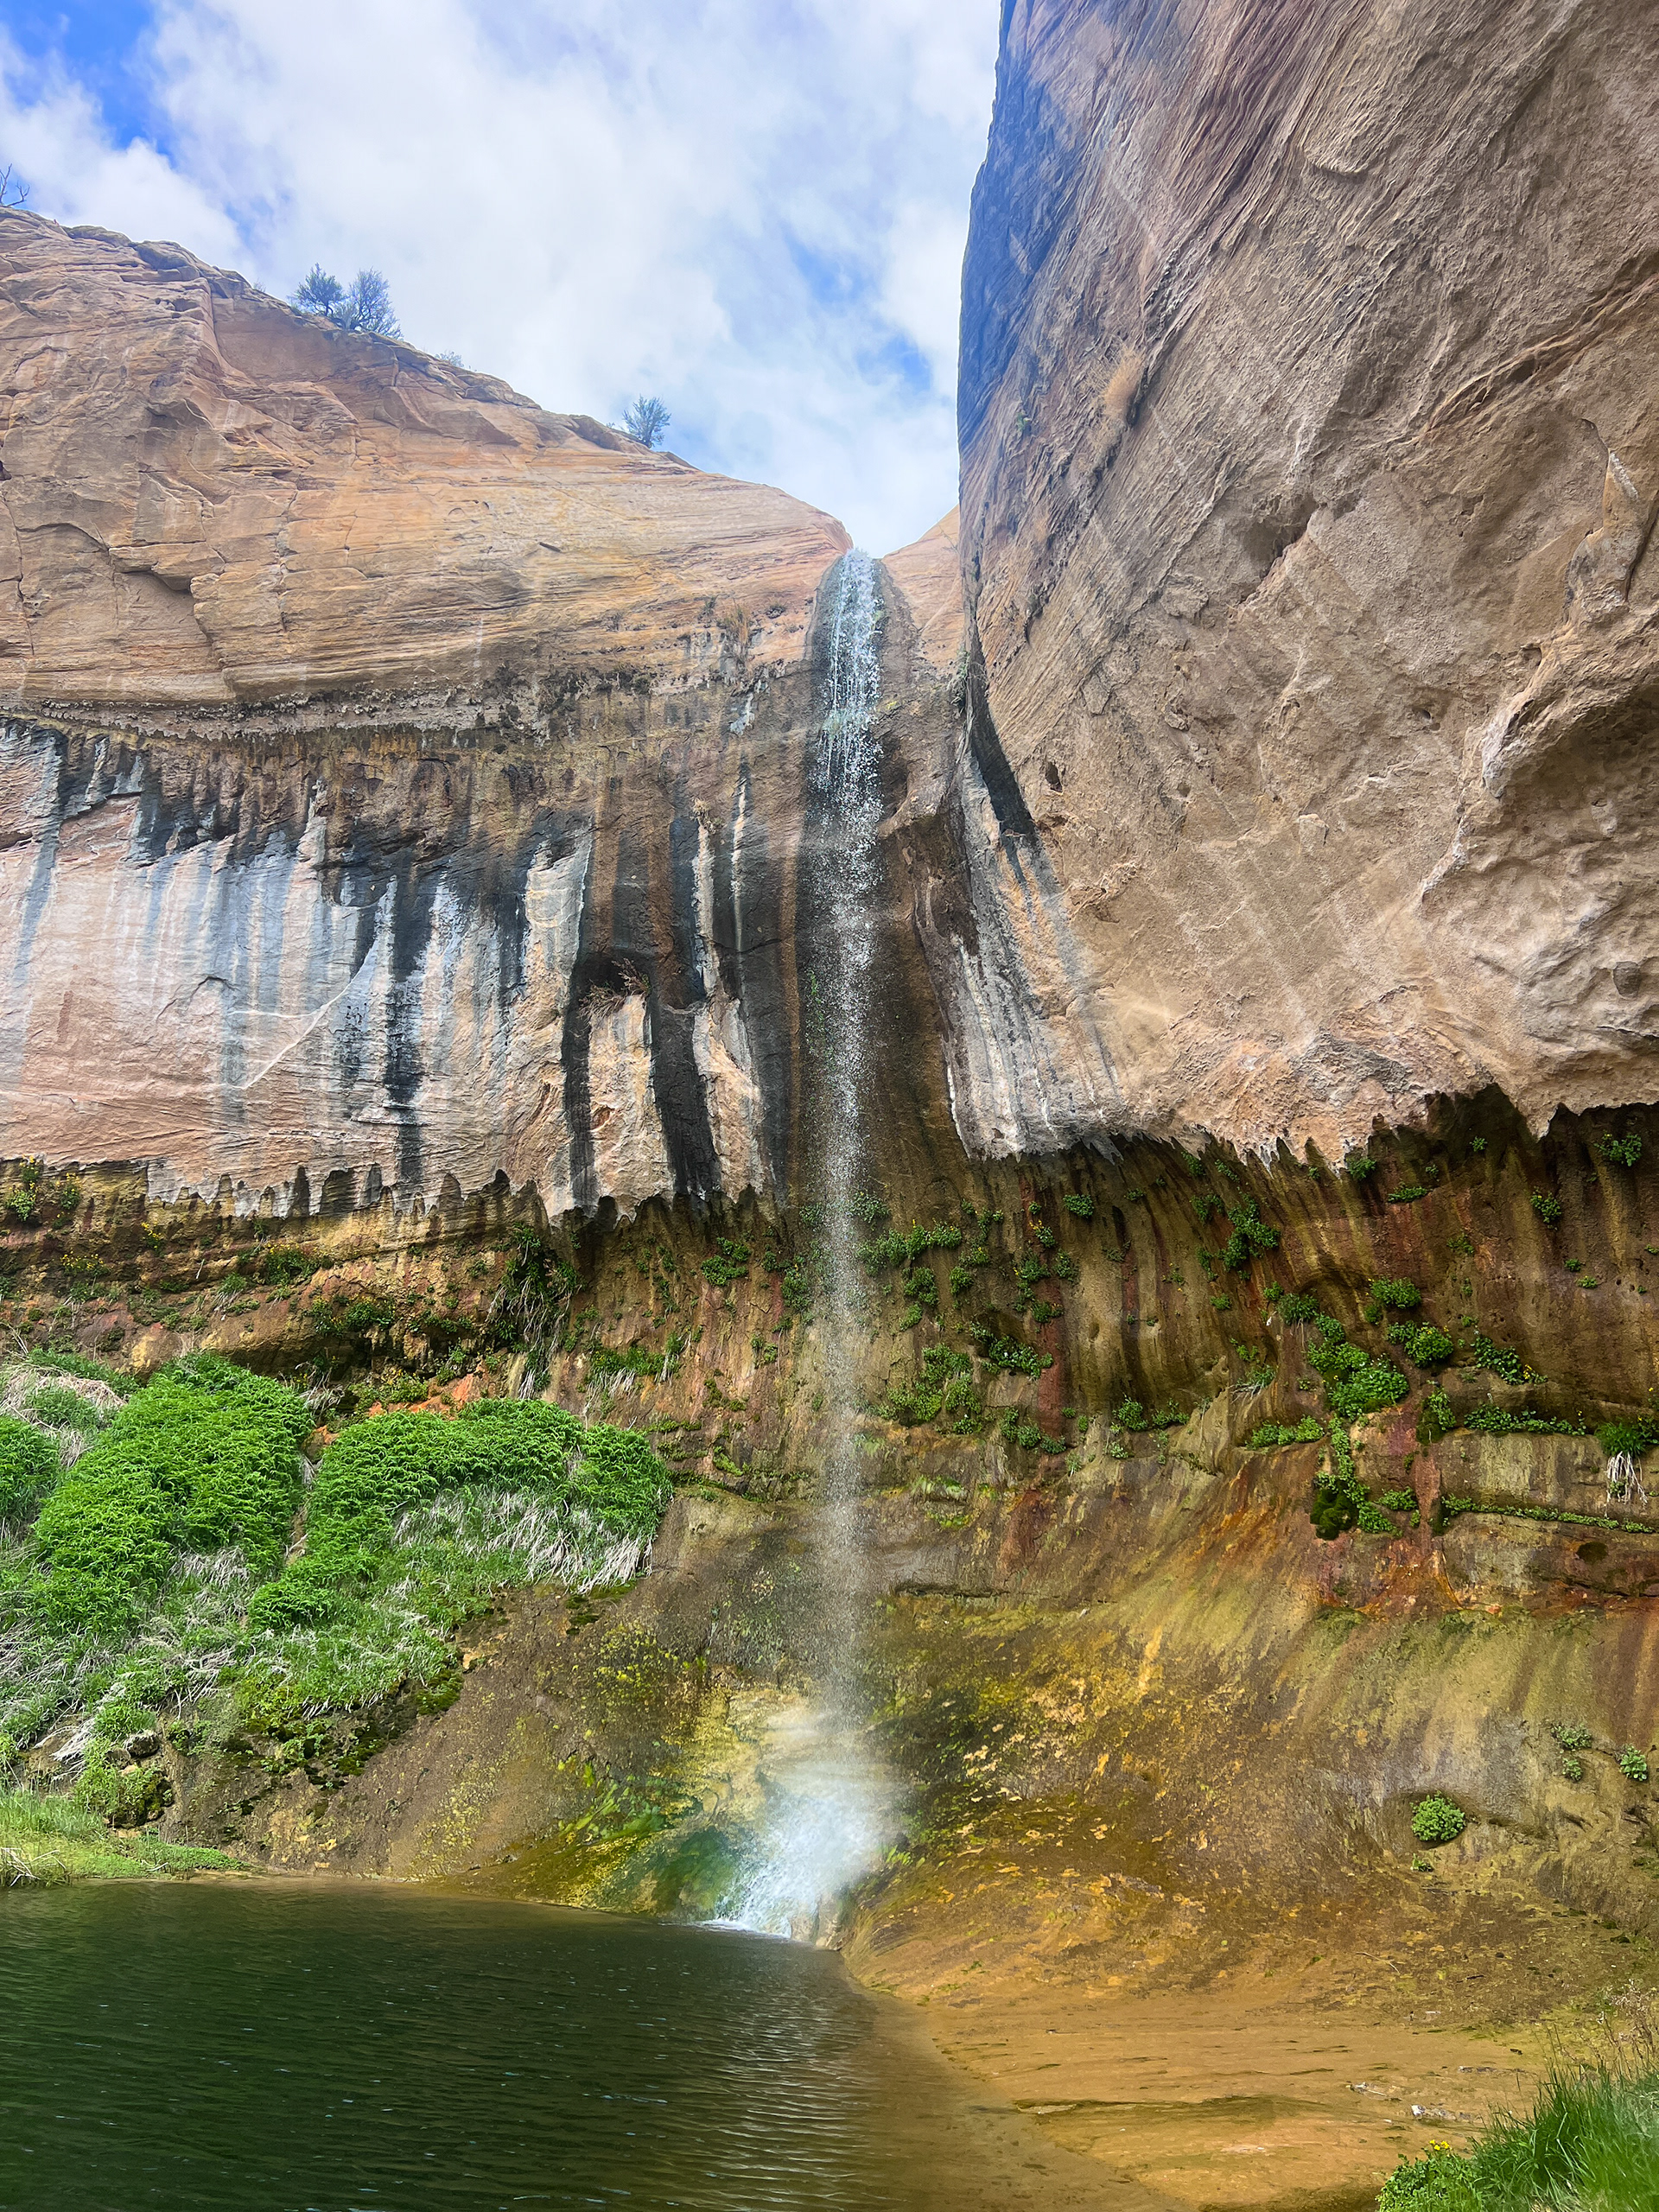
{"type": "Point", "coordinates": [416, 897]}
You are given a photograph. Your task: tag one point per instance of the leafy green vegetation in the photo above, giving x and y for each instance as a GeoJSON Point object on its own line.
{"type": "Point", "coordinates": [1019, 1428]}
{"type": "Point", "coordinates": [1633, 1763]}
{"type": "Point", "coordinates": [1407, 1194]}
{"type": "Point", "coordinates": [206, 1457]}
{"type": "Point", "coordinates": [1624, 1151]}
{"type": "Point", "coordinates": [901, 1249]}
{"type": "Point", "coordinates": [58, 1406]}
{"type": "Point", "coordinates": [1269, 1433]}
{"type": "Point", "coordinates": [1498, 1359]}
{"type": "Point", "coordinates": [1639, 1434]}
{"type": "Point", "coordinates": [1437, 1418]}
{"type": "Point", "coordinates": [1392, 1294]}
{"type": "Point", "coordinates": [1014, 1359]}
{"type": "Point", "coordinates": [943, 1393]}
{"type": "Point", "coordinates": [1438, 1819]}
{"type": "Point", "coordinates": [1548, 1210]}
{"type": "Point", "coordinates": [1589, 2144]}
{"type": "Point", "coordinates": [1501, 1420]}
{"type": "Point", "coordinates": [1338, 1493]}
{"type": "Point", "coordinates": [728, 1263]}
{"type": "Point", "coordinates": [1424, 1344]}
{"type": "Point", "coordinates": [1078, 1203]}
{"type": "Point", "coordinates": [1355, 1383]}
{"type": "Point", "coordinates": [156, 1568]}
{"type": "Point", "coordinates": [29, 1466]}
{"type": "Point", "coordinates": [1251, 1236]}
{"type": "Point", "coordinates": [282, 1266]}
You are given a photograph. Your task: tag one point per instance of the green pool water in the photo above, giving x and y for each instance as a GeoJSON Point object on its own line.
{"type": "Point", "coordinates": [279, 2048]}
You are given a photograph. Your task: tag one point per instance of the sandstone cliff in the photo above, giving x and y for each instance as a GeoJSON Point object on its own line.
{"type": "Point", "coordinates": [404, 787]}
{"type": "Point", "coordinates": [210, 502]}
{"type": "Point", "coordinates": [1309, 457]}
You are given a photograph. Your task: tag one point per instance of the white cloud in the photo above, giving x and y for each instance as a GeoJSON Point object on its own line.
{"type": "Point", "coordinates": [54, 137]}
{"type": "Point", "coordinates": [756, 207]}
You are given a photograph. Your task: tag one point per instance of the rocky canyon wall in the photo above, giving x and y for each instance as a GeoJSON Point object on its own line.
{"type": "Point", "coordinates": [1309, 456]}
{"type": "Point", "coordinates": [404, 788]}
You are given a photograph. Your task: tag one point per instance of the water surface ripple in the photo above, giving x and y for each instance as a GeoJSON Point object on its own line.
{"type": "Point", "coordinates": [287, 2049]}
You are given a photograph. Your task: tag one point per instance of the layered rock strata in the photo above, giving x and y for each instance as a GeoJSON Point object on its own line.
{"type": "Point", "coordinates": [405, 787]}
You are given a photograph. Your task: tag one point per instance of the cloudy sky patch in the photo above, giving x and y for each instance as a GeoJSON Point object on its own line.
{"type": "Point", "coordinates": [755, 207]}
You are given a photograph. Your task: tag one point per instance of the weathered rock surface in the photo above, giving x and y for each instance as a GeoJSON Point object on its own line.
{"type": "Point", "coordinates": [929, 573]}
{"type": "Point", "coordinates": [405, 786]}
{"type": "Point", "coordinates": [211, 502]}
{"type": "Point", "coordinates": [1310, 455]}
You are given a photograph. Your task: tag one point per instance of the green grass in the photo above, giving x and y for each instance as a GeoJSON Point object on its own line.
{"type": "Point", "coordinates": [50, 1840]}
{"type": "Point", "coordinates": [1590, 2143]}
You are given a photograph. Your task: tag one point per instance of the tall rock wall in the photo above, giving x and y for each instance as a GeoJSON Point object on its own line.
{"type": "Point", "coordinates": [403, 788]}
{"type": "Point", "coordinates": [1309, 461]}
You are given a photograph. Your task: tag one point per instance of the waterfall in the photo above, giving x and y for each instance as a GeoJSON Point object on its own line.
{"type": "Point", "coordinates": [828, 1803]}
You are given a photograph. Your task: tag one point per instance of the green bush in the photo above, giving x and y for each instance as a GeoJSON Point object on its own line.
{"type": "Point", "coordinates": [1079, 1203]}
{"type": "Point", "coordinates": [1438, 1819]}
{"type": "Point", "coordinates": [1439, 2180]}
{"type": "Point", "coordinates": [1299, 1305]}
{"type": "Point", "coordinates": [1437, 1419]}
{"type": "Point", "coordinates": [1632, 1765]}
{"type": "Point", "coordinates": [1399, 1501]}
{"type": "Point", "coordinates": [1548, 1210]}
{"type": "Point", "coordinates": [1393, 1292]}
{"type": "Point", "coordinates": [1498, 1359]}
{"type": "Point", "coordinates": [1373, 1521]}
{"type": "Point", "coordinates": [1424, 1344]}
{"type": "Point", "coordinates": [619, 1480]}
{"type": "Point", "coordinates": [728, 1263]}
{"type": "Point", "coordinates": [1499, 1421]}
{"type": "Point", "coordinates": [29, 1466]}
{"type": "Point", "coordinates": [376, 1470]}
{"type": "Point", "coordinates": [283, 1265]}
{"type": "Point", "coordinates": [1407, 1194]}
{"type": "Point", "coordinates": [1338, 1493]}
{"type": "Point", "coordinates": [1251, 1236]}
{"type": "Point", "coordinates": [1271, 1434]}
{"type": "Point", "coordinates": [1624, 1151]}
{"type": "Point", "coordinates": [1019, 1428]}
{"type": "Point", "coordinates": [1012, 1358]}
{"type": "Point", "coordinates": [902, 1248]}
{"type": "Point", "coordinates": [1635, 1436]}
{"type": "Point", "coordinates": [943, 1393]}
{"type": "Point", "coordinates": [206, 1456]}
{"type": "Point", "coordinates": [1354, 1383]}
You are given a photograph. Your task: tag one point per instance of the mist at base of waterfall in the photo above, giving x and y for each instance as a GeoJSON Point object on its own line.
{"type": "Point", "coordinates": [830, 1815]}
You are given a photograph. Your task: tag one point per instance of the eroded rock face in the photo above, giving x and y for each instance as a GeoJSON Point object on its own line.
{"type": "Point", "coordinates": [403, 787]}
{"type": "Point", "coordinates": [211, 502]}
{"type": "Point", "coordinates": [1310, 457]}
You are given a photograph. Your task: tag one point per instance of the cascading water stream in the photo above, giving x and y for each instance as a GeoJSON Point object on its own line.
{"type": "Point", "coordinates": [828, 1799]}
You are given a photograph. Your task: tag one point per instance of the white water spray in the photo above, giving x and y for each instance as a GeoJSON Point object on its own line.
{"type": "Point", "coordinates": [828, 1801]}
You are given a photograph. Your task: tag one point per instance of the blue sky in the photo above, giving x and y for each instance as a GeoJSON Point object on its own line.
{"type": "Point", "coordinates": [755, 207]}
